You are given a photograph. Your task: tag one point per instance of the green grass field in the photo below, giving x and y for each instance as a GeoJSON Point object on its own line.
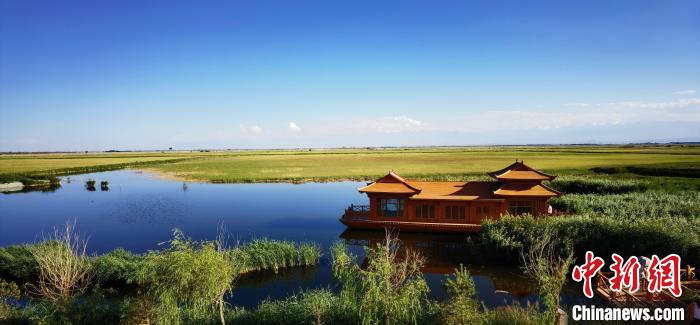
{"type": "Point", "coordinates": [352, 164]}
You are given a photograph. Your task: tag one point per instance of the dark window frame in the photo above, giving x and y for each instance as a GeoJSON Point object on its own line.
{"type": "Point", "coordinates": [518, 207]}
{"type": "Point", "coordinates": [425, 211]}
{"type": "Point", "coordinates": [455, 212]}
{"type": "Point", "coordinates": [384, 203]}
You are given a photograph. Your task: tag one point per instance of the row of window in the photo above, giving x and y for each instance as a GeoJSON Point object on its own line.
{"type": "Point", "coordinates": [521, 207]}
{"type": "Point", "coordinates": [395, 208]}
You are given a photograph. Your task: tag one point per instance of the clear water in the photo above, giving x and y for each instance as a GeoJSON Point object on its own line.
{"type": "Point", "coordinates": [140, 210]}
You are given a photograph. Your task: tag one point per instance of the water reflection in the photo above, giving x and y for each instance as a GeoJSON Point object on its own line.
{"type": "Point", "coordinates": [445, 253]}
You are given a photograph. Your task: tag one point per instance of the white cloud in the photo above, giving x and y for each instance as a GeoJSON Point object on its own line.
{"type": "Point", "coordinates": [577, 105]}
{"type": "Point", "coordinates": [294, 127]}
{"type": "Point", "coordinates": [680, 103]}
{"type": "Point", "coordinates": [601, 114]}
{"type": "Point", "coordinates": [685, 92]}
{"type": "Point", "coordinates": [254, 130]}
{"type": "Point", "coordinates": [390, 124]}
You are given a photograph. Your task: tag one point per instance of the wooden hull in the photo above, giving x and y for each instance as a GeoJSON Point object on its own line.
{"type": "Point", "coordinates": [412, 226]}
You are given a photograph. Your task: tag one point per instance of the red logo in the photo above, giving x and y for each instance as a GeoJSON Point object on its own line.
{"type": "Point", "coordinates": [665, 274]}
{"type": "Point", "coordinates": [626, 274]}
{"type": "Point", "coordinates": [660, 273]}
{"type": "Point", "coordinates": [587, 271]}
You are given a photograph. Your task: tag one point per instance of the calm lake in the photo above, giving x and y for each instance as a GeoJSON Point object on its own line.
{"type": "Point", "coordinates": [139, 210]}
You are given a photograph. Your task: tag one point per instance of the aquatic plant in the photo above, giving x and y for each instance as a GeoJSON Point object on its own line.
{"type": "Point", "coordinates": [603, 235]}
{"type": "Point", "coordinates": [268, 254]}
{"type": "Point", "coordinates": [63, 268]}
{"type": "Point", "coordinates": [90, 184]}
{"type": "Point", "coordinates": [652, 204]}
{"type": "Point", "coordinates": [578, 185]}
{"type": "Point", "coordinates": [514, 314]}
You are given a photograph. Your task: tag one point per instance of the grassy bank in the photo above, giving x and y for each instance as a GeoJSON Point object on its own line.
{"type": "Point", "coordinates": [183, 284]}
{"type": "Point", "coordinates": [363, 164]}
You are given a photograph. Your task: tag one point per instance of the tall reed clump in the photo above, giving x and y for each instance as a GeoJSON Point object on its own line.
{"type": "Point", "coordinates": [63, 268]}
{"type": "Point", "coordinates": [187, 275]}
{"type": "Point", "coordinates": [320, 306]}
{"type": "Point", "coordinates": [268, 254]}
{"type": "Point", "coordinates": [597, 185]}
{"type": "Point", "coordinates": [507, 236]}
{"type": "Point", "coordinates": [636, 205]}
{"type": "Point", "coordinates": [390, 289]}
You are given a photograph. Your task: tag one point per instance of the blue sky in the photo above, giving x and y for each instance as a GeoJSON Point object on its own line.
{"type": "Point", "coordinates": [100, 75]}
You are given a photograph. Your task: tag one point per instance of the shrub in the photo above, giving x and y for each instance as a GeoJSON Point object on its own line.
{"type": "Point", "coordinates": [17, 263]}
{"type": "Point", "coordinates": [117, 267]}
{"type": "Point", "coordinates": [461, 306]}
{"type": "Point", "coordinates": [390, 289]}
{"type": "Point", "coordinates": [193, 275]}
{"type": "Point", "coordinates": [9, 295]}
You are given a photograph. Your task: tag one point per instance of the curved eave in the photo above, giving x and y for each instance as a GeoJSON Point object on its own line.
{"type": "Point", "coordinates": [500, 174]}
{"type": "Point", "coordinates": [550, 192]}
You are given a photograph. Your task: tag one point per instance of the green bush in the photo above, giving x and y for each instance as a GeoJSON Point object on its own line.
{"type": "Point", "coordinates": [117, 267]}
{"type": "Point", "coordinates": [652, 204]}
{"type": "Point", "coordinates": [17, 263]}
{"type": "Point", "coordinates": [597, 185]}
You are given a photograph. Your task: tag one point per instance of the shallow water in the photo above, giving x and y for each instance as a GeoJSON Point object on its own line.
{"type": "Point", "coordinates": [139, 210]}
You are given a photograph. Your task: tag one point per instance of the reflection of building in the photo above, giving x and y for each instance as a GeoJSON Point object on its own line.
{"type": "Point", "coordinates": [450, 206]}
{"type": "Point", "coordinates": [443, 254]}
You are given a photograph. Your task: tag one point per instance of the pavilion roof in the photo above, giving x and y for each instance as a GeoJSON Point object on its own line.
{"type": "Point", "coordinates": [391, 183]}
{"type": "Point", "coordinates": [525, 189]}
{"type": "Point", "coordinates": [518, 171]}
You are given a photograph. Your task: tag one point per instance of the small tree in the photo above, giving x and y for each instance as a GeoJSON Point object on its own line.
{"type": "Point", "coordinates": [194, 275]}
{"type": "Point", "coordinates": [547, 261]}
{"type": "Point", "coordinates": [462, 306]}
{"type": "Point", "coordinates": [389, 289]}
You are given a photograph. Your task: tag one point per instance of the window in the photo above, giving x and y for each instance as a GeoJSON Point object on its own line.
{"type": "Point", "coordinates": [455, 212]}
{"type": "Point", "coordinates": [425, 211]}
{"type": "Point", "coordinates": [521, 207]}
{"type": "Point", "coordinates": [390, 207]}
{"type": "Point", "coordinates": [482, 210]}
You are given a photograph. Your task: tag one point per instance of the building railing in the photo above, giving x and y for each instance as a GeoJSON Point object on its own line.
{"type": "Point", "coordinates": [357, 212]}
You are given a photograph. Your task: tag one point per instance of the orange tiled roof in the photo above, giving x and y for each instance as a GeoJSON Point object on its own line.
{"type": "Point", "coordinates": [397, 188]}
{"type": "Point", "coordinates": [391, 183]}
{"type": "Point", "coordinates": [525, 189]}
{"type": "Point", "coordinates": [455, 190]}
{"type": "Point", "coordinates": [520, 171]}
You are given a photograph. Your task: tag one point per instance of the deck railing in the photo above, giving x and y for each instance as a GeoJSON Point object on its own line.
{"type": "Point", "coordinates": [356, 212]}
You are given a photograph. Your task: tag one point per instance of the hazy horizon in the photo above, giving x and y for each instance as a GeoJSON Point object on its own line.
{"type": "Point", "coordinates": [128, 75]}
